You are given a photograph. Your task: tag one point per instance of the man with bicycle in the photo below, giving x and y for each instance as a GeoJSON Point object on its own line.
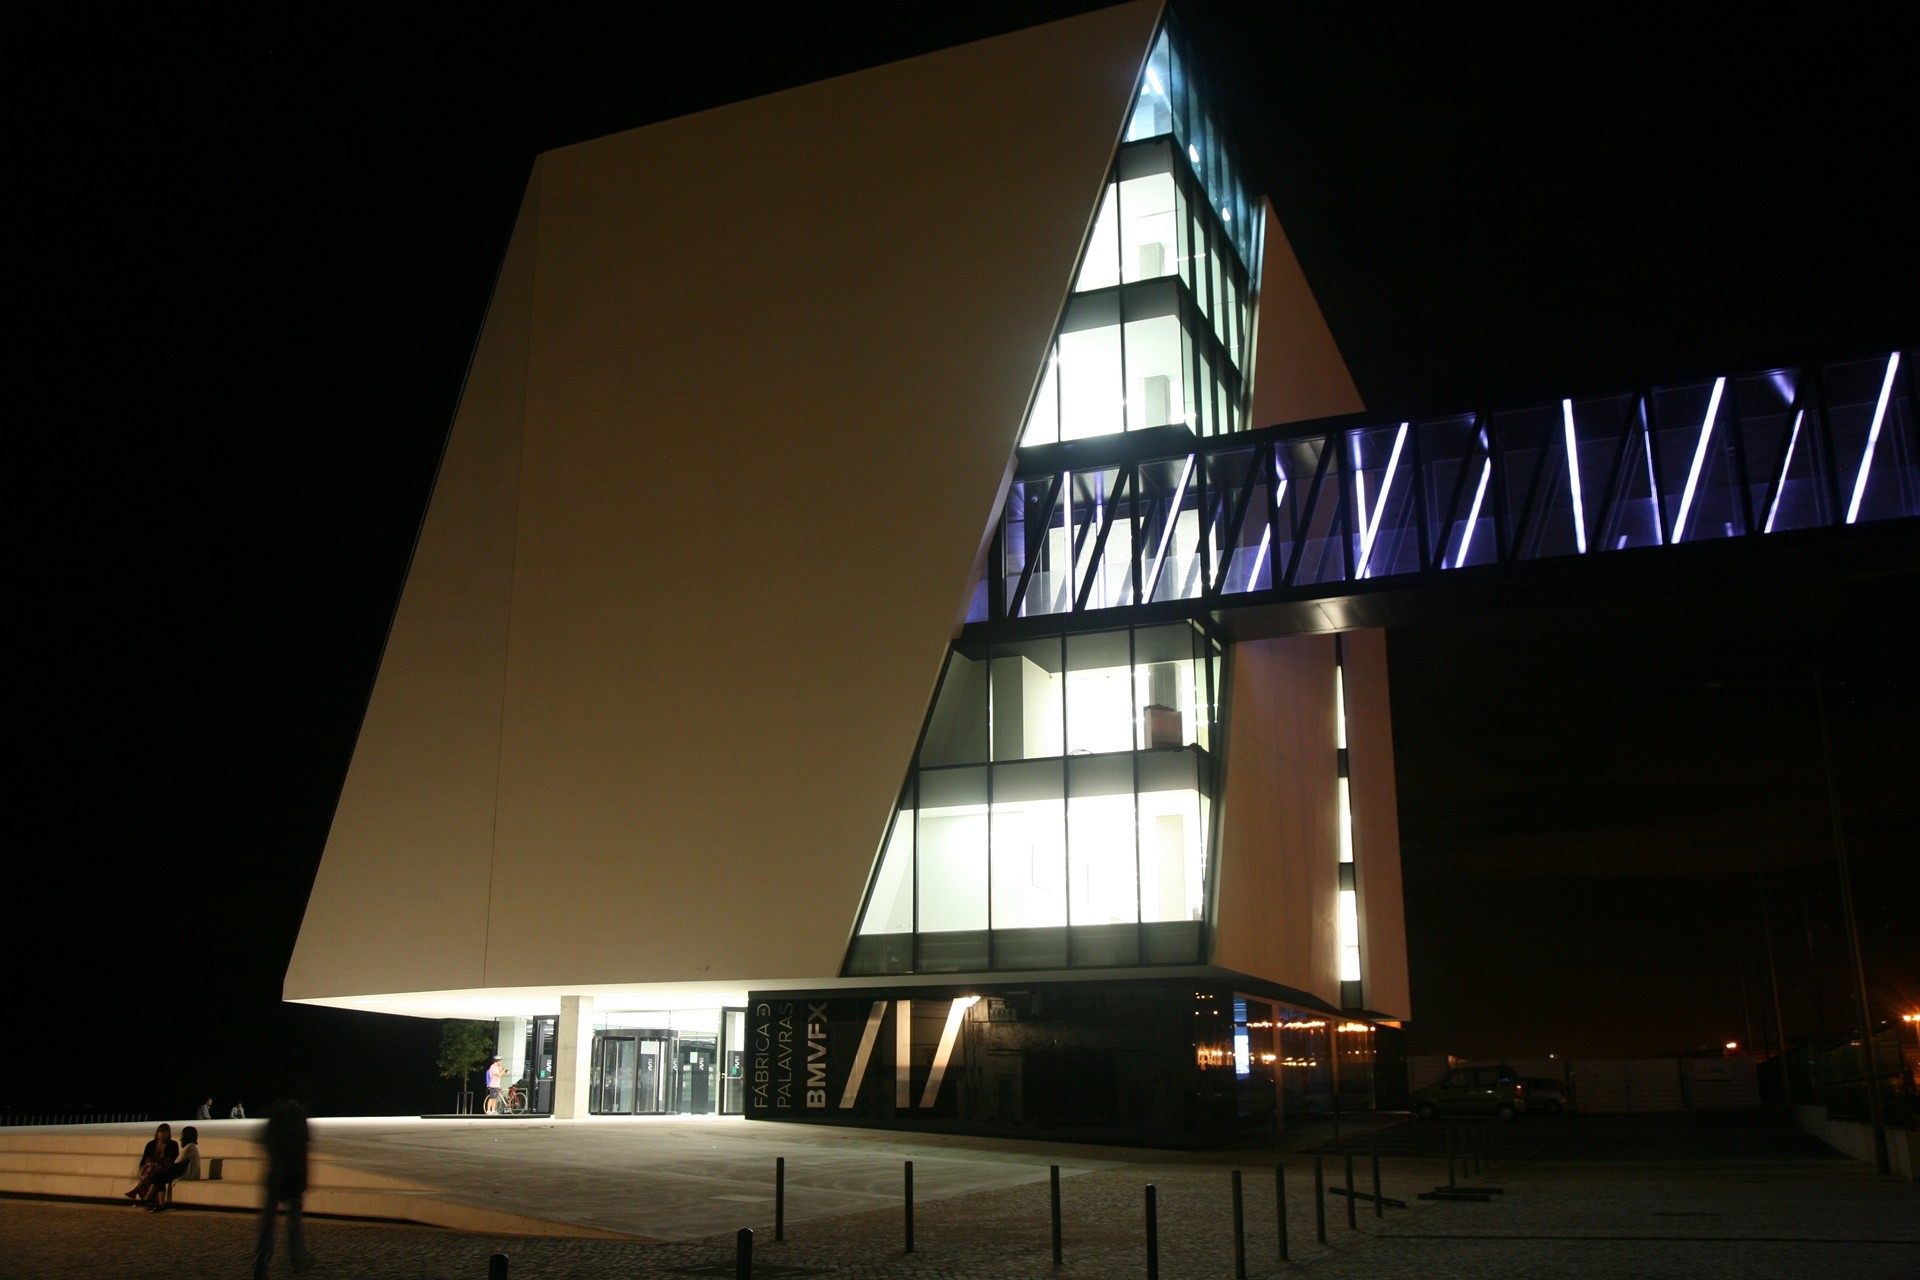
{"type": "Point", "coordinates": [496, 1071]}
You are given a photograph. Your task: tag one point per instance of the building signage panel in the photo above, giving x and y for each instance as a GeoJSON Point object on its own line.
{"type": "Point", "coordinates": [829, 1056]}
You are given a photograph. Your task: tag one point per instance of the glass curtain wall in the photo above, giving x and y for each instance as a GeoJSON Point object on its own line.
{"type": "Point", "coordinates": [1156, 331]}
{"type": "Point", "coordinates": [1058, 812]}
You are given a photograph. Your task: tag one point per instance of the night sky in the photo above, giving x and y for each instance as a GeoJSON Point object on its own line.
{"type": "Point", "coordinates": [251, 253]}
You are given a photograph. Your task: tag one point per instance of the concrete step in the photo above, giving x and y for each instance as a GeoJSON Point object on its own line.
{"type": "Point", "coordinates": [103, 1166]}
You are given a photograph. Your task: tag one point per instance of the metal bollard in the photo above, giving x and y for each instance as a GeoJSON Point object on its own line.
{"type": "Point", "coordinates": [1379, 1205]}
{"type": "Point", "coordinates": [1239, 1230]}
{"type": "Point", "coordinates": [1056, 1214]}
{"type": "Point", "coordinates": [909, 1206]}
{"type": "Point", "coordinates": [1153, 1234]}
{"type": "Point", "coordinates": [497, 1267]}
{"type": "Point", "coordinates": [1319, 1200]}
{"type": "Point", "coordinates": [779, 1198]}
{"type": "Point", "coordinates": [1280, 1207]}
{"type": "Point", "coordinates": [743, 1254]}
{"type": "Point", "coordinates": [1353, 1223]}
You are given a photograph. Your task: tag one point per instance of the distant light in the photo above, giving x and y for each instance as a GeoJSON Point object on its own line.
{"type": "Point", "coordinates": [1153, 82]}
{"type": "Point", "coordinates": [1733, 1044]}
{"type": "Point", "coordinates": [1226, 215]}
{"type": "Point", "coordinates": [1193, 153]}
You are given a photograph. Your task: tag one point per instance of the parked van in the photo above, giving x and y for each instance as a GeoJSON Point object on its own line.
{"type": "Point", "coordinates": [1488, 1090]}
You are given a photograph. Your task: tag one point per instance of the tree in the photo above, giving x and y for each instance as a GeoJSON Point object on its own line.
{"type": "Point", "coordinates": [465, 1046]}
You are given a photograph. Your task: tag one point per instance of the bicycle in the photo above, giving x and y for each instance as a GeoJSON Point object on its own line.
{"type": "Point", "coordinates": [514, 1100]}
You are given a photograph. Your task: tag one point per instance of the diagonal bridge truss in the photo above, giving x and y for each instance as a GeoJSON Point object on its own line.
{"type": "Point", "coordinates": [1160, 524]}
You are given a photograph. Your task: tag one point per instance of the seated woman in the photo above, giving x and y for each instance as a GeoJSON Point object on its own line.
{"type": "Point", "coordinates": [156, 1160]}
{"type": "Point", "coordinates": [184, 1169]}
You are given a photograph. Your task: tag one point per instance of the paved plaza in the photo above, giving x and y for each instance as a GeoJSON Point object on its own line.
{"type": "Point", "coordinates": [981, 1210]}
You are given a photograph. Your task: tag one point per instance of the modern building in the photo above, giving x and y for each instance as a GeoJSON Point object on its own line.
{"type": "Point", "coordinates": [795, 705]}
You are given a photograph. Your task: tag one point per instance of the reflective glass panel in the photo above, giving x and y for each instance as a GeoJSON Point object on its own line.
{"type": "Point", "coordinates": [1172, 844]}
{"type": "Point", "coordinates": [1170, 530]}
{"type": "Point", "coordinates": [890, 908]}
{"type": "Point", "coordinates": [1101, 267]}
{"type": "Point", "coordinates": [1043, 422]}
{"type": "Point", "coordinates": [1050, 587]}
{"type": "Point", "coordinates": [1099, 705]}
{"type": "Point", "coordinates": [1876, 451]}
{"type": "Point", "coordinates": [1027, 502]}
{"type": "Point", "coordinates": [1246, 551]}
{"type": "Point", "coordinates": [1780, 459]}
{"type": "Point", "coordinates": [957, 728]}
{"type": "Point", "coordinates": [1100, 840]}
{"type": "Point", "coordinates": [1028, 703]}
{"type": "Point", "coordinates": [1090, 385]}
{"type": "Point", "coordinates": [1318, 510]}
{"type": "Point", "coordinates": [1384, 537]}
{"type": "Point", "coordinates": [1152, 112]}
{"type": "Point", "coordinates": [1533, 450]}
{"type": "Point", "coordinates": [1454, 475]}
{"type": "Point", "coordinates": [1029, 846]}
{"type": "Point", "coordinates": [953, 849]}
{"type": "Point", "coordinates": [1149, 244]}
{"type": "Point", "coordinates": [1693, 451]}
{"type": "Point", "coordinates": [1169, 689]}
{"type": "Point", "coordinates": [1106, 548]}
{"type": "Point", "coordinates": [1156, 394]}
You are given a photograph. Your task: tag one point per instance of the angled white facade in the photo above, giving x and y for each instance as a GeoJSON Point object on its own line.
{"type": "Point", "coordinates": [753, 396]}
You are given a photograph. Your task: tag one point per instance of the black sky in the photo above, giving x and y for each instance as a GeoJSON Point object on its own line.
{"type": "Point", "coordinates": [252, 248]}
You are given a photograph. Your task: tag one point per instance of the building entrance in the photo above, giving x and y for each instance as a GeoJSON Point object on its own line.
{"type": "Point", "coordinates": [689, 1069]}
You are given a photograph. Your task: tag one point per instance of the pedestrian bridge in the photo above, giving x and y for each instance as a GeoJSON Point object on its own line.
{"type": "Point", "coordinates": [1355, 521]}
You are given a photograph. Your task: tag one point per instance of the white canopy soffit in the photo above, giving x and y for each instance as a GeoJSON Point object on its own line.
{"type": "Point", "coordinates": [734, 435]}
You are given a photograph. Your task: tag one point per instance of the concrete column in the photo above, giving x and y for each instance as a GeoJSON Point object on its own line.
{"type": "Point", "coordinates": [572, 1055]}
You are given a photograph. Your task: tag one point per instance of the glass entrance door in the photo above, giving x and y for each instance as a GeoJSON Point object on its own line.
{"type": "Point", "coordinates": [698, 1089]}
{"type": "Point", "coordinates": [649, 1084]}
{"type": "Point", "coordinates": [630, 1073]}
{"type": "Point", "coordinates": [668, 1062]}
{"type": "Point", "coordinates": [613, 1083]}
{"type": "Point", "coordinates": [733, 1061]}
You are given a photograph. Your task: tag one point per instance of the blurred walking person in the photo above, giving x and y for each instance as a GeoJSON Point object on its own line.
{"type": "Point", "coordinates": [286, 1184]}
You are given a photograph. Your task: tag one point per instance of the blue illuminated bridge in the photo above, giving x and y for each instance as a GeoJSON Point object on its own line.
{"type": "Point", "coordinates": [1351, 522]}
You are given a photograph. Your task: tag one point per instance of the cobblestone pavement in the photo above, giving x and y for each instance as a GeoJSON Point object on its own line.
{"type": "Point", "coordinates": [1760, 1220]}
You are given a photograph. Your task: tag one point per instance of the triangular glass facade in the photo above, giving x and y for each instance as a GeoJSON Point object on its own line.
{"type": "Point", "coordinates": [1059, 809]}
